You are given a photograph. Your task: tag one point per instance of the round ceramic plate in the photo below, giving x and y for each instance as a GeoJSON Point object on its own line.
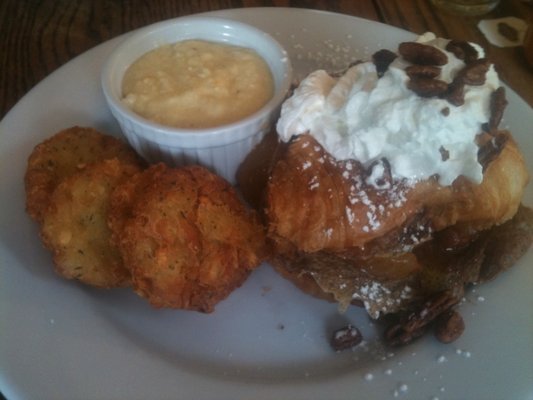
{"type": "Point", "coordinates": [61, 340]}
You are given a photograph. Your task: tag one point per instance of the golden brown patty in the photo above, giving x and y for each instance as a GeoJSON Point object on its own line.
{"type": "Point", "coordinates": [185, 236]}
{"type": "Point", "coordinates": [74, 225]}
{"type": "Point", "coordinates": [64, 154]}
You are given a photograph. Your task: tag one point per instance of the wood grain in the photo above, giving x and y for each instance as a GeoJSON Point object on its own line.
{"type": "Point", "coordinates": [38, 36]}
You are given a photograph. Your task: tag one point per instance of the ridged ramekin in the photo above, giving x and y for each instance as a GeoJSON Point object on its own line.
{"type": "Point", "coordinates": [220, 148]}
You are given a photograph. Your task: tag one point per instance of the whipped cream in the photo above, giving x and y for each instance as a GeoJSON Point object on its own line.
{"type": "Point", "coordinates": [360, 116]}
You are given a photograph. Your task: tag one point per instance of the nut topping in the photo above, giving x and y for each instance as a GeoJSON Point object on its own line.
{"type": "Point", "coordinates": [462, 50]}
{"type": "Point", "coordinates": [455, 94]}
{"type": "Point", "coordinates": [498, 102]}
{"type": "Point", "coordinates": [475, 72]}
{"type": "Point", "coordinates": [385, 181]}
{"type": "Point", "coordinates": [425, 70]}
{"type": "Point", "coordinates": [490, 146]}
{"type": "Point", "coordinates": [417, 322]}
{"type": "Point", "coordinates": [422, 71]}
{"type": "Point", "coordinates": [382, 59]}
{"type": "Point", "coordinates": [422, 54]}
{"type": "Point", "coordinates": [449, 326]}
{"type": "Point", "coordinates": [346, 338]}
{"type": "Point", "coordinates": [427, 87]}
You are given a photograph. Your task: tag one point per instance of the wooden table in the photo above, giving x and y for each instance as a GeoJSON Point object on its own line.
{"type": "Point", "coordinates": [40, 36]}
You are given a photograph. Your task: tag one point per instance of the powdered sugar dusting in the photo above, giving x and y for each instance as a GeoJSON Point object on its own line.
{"type": "Point", "coordinates": [377, 298]}
{"type": "Point", "coordinates": [385, 197]}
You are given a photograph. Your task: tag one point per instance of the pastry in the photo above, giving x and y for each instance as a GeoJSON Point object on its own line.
{"type": "Point", "coordinates": [389, 167]}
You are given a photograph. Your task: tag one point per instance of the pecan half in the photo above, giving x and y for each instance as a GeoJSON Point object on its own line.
{"type": "Point", "coordinates": [498, 102]}
{"type": "Point", "coordinates": [382, 59]}
{"type": "Point", "coordinates": [462, 50]}
{"type": "Point", "coordinates": [449, 326]}
{"type": "Point", "coordinates": [422, 54]}
{"type": "Point", "coordinates": [422, 71]}
{"type": "Point", "coordinates": [385, 181]}
{"type": "Point", "coordinates": [490, 148]}
{"type": "Point", "coordinates": [427, 87]}
{"type": "Point", "coordinates": [455, 93]}
{"type": "Point", "coordinates": [475, 72]}
{"type": "Point", "coordinates": [417, 322]}
{"type": "Point", "coordinates": [346, 338]}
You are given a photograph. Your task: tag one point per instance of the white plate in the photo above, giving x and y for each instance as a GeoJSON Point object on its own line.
{"type": "Point", "coordinates": [267, 340]}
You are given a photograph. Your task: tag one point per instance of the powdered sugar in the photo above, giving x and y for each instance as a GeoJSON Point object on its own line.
{"type": "Point", "coordinates": [377, 298]}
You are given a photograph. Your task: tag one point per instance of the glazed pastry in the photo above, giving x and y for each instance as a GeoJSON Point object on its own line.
{"type": "Point", "coordinates": [388, 169]}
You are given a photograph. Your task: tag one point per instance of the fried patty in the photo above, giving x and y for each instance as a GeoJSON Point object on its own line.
{"type": "Point", "coordinates": [64, 154]}
{"type": "Point", "coordinates": [185, 236]}
{"type": "Point", "coordinates": [74, 225]}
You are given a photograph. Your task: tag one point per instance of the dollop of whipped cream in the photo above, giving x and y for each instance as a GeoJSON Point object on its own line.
{"type": "Point", "coordinates": [360, 116]}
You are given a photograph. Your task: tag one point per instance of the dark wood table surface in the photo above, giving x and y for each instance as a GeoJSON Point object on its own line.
{"type": "Point", "coordinates": [38, 36]}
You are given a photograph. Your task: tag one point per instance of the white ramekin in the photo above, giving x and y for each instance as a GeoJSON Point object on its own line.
{"type": "Point", "coordinates": [221, 148]}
